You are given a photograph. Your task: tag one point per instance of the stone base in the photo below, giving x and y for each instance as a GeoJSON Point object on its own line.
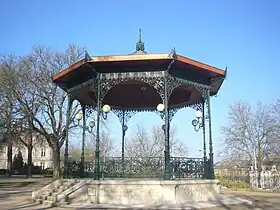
{"type": "Point", "coordinates": [135, 192]}
{"type": "Point", "coordinates": [225, 201]}
{"type": "Point", "coordinates": [129, 191]}
{"type": "Point", "coordinates": [138, 192]}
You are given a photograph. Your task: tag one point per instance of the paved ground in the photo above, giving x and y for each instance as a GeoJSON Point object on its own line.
{"type": "Point", "coordinates": [15, 194]}
{"type": "Point", "coordinates": [260, 200]}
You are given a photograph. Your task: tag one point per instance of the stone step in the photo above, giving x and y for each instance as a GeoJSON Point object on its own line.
{"type": "Point", "coordinates": [63, 187]}
{"type": "Point", "coordinates": [56, 193]}
{"type": "Point", "coordinates": [48, 193]}
{"type": "Point", "coordinates": [43, 197]}
{"type": "Point", "coordinates": [63, 203]}
{"type": "Point", "coordinates": [51, 198]}
{"type": "Point", "coordinates": [49, 203]}
{"type": "Point", "coordinates": [59, 191]}
{"type": "Point", "coordinates": [38, 201]}
{"type": "Point", "coordinates": [68, 185]}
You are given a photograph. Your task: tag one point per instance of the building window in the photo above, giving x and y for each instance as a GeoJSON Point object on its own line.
{"type": "Point", "coordinates": [43, 152]}
{"type": "Point", "coordinates": [42, 165]}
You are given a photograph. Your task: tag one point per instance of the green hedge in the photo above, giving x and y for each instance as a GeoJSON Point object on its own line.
{"type": "Point", "coordinates": [231, 184]}
{"type": "Point", "coordinates": [48, 172]}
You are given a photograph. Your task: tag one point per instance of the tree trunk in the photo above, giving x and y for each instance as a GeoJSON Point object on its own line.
{"type": "Point", "coordinates": [260, 163]}
{"type": "Point", "coordinates": [29, 161]}
{"type": "Point", "coordinates": [10, 158]}
{"type": "Point", "coordinates": [259, 178]}
{"type": "Point", "coordinates": [56, 161]}
{"type": "Point", "coordinates": [10, 142]}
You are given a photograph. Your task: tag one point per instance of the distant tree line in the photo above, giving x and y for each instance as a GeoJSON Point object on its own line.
{"type": "Point", "coordinates": [251, 137]}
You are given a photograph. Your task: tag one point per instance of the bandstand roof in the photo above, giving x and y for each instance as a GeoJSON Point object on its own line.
{"type": "Point", "coordinates": [182, 67]}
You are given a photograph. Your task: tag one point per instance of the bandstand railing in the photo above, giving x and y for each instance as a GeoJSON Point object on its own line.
{"type": "Point", "coordinates": [148, 167]}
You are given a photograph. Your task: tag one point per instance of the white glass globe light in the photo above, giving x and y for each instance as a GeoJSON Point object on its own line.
{"type": "Point", "coordinates": [91, 124]}
{"type": "Point", "coordinates": [198, 114]}
{"type": "Point", "coordinates": [79, 116]}
{"type": "Point", "coordinates": [106, 108]}
{"type": "Point", "coordinates": [160, 107]}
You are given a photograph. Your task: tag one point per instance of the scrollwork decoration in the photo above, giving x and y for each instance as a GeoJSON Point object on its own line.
{"type": "Point", "coordinates": [154, 79]}
{"type": "Point", "coordinates": [124, 114]}
{"type": "Point", "coordinates": [174, 82]}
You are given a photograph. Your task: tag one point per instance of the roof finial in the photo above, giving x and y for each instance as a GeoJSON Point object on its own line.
{"type": "Point", "coordinates": [140, 40]}
{"type": "Point", "coordinates": [140, 46]}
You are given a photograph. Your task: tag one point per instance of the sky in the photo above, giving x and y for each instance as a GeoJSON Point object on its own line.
{"type": "Point", "coordinates": [243, 35]}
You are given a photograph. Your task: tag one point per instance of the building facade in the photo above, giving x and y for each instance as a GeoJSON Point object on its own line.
{"type": "Point", "coordinates": [41, 154]}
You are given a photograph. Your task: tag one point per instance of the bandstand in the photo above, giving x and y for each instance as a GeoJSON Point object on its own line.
{"type": "Point", "coordinates": [128, 84]}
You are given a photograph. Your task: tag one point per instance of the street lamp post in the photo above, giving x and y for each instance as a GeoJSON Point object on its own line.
{"type": "Point", "coordinates": [85, 128]}
{"type": "Point", "coordinates": [198, 123]}
{"type": "Point", "coordinates": [163, 110]}
{"type": "Point", "coordinates": [79, 116]}
{"type": "Point", "coordinates": [104, 113]}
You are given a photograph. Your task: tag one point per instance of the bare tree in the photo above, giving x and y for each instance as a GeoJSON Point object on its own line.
{"type": "Point", "coordinates": [151, 144]}
{"type": "Point", "coordinates": [40, 100]}
{"type": "Point", "coordinates": [106, 144]}
{"type": "Point", "coordinates": [8, 79]}
{"type": "Point", "coordinates": [18, 128]}
{"type": "Point", "coordinates": [275, 114]}
{"type": "Point", "coordinates": [74, 152]}
{"type": "Point", "coordinates": [106, 147]}
{"type": "Point", "coordinates": [249, 133]}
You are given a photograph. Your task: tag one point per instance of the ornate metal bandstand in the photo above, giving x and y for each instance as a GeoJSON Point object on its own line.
{"type": "Point", "coordinates": [127, 84]}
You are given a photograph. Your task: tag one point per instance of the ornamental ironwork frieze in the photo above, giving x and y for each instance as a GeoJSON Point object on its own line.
{"type": "Point", "coordinates": [78, 87]}
{"type": "Point", "coordinates": [173, 111]}
{"type": "Point", "coordinates": [124, 115]}
{"type": "Point", "coordinates": [154, 79]}
{"type": "Point", "coordinates": [174, 82]}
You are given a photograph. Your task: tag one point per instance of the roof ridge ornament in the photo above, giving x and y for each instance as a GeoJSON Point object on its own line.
{"type": "Point", "coordinates": [87, 56]}
{"type": "Point", "coordinates": [140, 46]}
{"type": "Point", "coordinates": [226, 71]}
{"type": "Point", "coordinates": [172, 54]}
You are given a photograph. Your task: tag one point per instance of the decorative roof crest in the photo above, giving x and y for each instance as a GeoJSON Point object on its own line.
{"type": "Point", "coordinates": [140, 46]}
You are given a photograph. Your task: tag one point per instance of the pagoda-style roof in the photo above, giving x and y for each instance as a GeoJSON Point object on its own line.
{"type": "Point", "coordinates": [183, 66]}
{"type": "Point", "coordinates": [140, 61]}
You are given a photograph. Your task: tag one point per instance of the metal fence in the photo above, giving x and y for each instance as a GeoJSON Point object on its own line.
{"type": "Point", "coordinates": [148, 167]}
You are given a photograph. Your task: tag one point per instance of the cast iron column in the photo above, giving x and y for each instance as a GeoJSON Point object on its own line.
{"type": "Point", "coordinates": [67, 123]}
{"type": "Point", "coordinates": [97, 152]}
{"type": "Point", "coordinates": [204, 142]}
{"type": "Point", "coordinates": [82, 168]}
{"type": "Point", "coordinates": [123, 136]}
{"type": "Point", "coordinates": [166, 132]}
{"type": "Point", "coordinates": [211, 155]}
